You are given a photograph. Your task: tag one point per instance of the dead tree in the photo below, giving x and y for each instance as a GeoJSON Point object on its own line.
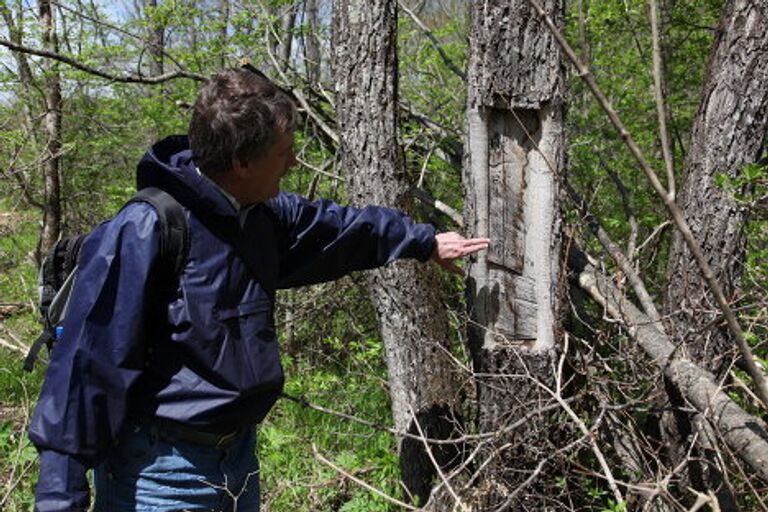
{"type": "Point", "coordinates": [515, 152]}
{"type": "Point", "coordinates": [406, 295]}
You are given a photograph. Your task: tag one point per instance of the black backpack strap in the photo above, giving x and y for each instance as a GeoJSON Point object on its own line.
{"type": "Point", "coordinates": [174, 240]}
{"type": "Point", "coordinates": [47, 337]}
{"type": "Point", "coordinates": [58, 267]}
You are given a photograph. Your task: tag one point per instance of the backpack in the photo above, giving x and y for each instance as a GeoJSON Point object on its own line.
{"type": "Point", "coordinates": [59, 268]}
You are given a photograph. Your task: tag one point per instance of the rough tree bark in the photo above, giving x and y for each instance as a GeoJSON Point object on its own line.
{"type": "Point", "coordinates": [515, 150]}
{"type": "Point", "coordinates": [312, 42]}
{"type": "Point", "coordinates": [728, 132]}
{"type": "Point", "coordinates": [51, 229]}
{"type": "Point", "coordinates": [412, 319]}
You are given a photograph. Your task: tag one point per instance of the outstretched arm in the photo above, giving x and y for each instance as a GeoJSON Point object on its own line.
{"type": "Point", "coordinates": [451, 246]}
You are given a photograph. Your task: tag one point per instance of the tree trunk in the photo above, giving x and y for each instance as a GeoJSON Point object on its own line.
{"type": "Point", "coordinates": [728, 132]}
{"type": "Point", "coordinates": [51, 230]}
{"type": "Point", "coordinates": [413, 321]}
{"type": "Point", "coordinates": [312, 42]}
{"type": "Point", "coordinates": [155, 43]}
{"type": "Point", "coordinates": [287, 21]}
{"type": "Point", "coordinates": [515, 150]}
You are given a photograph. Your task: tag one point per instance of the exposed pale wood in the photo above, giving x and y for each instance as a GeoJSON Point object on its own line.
{"type": "Point", "coordinates": [515, 145]}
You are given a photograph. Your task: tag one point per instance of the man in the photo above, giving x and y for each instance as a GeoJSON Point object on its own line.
{"type": "Point", "coordinates": [158, 386]}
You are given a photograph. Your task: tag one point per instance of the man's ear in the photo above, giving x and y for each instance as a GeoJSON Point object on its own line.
{"type": "Point", "coordinates": [239, 166]}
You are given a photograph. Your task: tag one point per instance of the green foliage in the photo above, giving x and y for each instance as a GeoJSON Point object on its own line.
{"type": "Point", "coordinates": [750, 190]}
{"type": "Point", "coordinates": [332, 356]}
{"type": "Point", "coordinates": [18, 462]}
{"type": "Point", "coordinates": [614, 40]}
{"type": "Point", "coordinates": [18, 389]}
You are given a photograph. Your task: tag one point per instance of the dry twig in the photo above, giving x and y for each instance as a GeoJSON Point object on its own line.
{"type": "Point", "coordinates": [360, 482]}
{"type": "Point", "coordinates": [674, 210]}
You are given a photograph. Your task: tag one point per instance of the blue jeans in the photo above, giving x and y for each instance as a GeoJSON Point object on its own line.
{"type": "Point", "coordinates": [145, 472]}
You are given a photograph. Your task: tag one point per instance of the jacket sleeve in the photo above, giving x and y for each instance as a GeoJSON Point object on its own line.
{"type": "Point", "coordinates": [324, 240]}
{"type": "Point", "coordinates": [97, 358]}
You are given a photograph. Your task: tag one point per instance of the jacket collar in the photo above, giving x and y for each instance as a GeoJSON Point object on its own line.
{"type": "Point", "coordinates": [168, 165]}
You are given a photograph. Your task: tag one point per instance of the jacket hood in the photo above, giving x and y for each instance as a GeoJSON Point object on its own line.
{"type": "Point", "coordinates": [168, 165]}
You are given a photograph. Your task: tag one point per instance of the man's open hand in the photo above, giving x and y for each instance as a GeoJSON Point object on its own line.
{"type": "Point", "coordinates": [452, 246]}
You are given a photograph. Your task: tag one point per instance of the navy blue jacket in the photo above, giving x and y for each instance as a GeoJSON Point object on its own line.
{"type": "Point", "coordinates": [203, 350]}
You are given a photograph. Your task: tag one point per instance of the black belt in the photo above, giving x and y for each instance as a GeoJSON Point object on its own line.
{"type": "Point", "coordinates": [174, 431]}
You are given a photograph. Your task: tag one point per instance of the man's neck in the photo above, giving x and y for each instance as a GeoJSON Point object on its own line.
{"type": "Point", "coordinates": [223, 185]}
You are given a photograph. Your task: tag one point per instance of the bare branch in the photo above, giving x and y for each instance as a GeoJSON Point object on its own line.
{"type": "Point", "coordinates": [661, 107]}
{"type": "Point", "coordinates": [761, 385]}
{"type": "Point", "coordinates": [360, 482]}
{"type": "Point", "coordinates": [446, 59]}
{"type": "Point", "coordinates": [656, 232]}
{"type": "Point", "coordinates": [438, 205]}
{"type": "Point", "coordinates": [139, 79]}
{"type": "Point", "coordinates": [434, 462]}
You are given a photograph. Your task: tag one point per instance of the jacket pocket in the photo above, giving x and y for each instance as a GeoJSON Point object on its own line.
{"type": "Point", "coordinates": [248, 356]}
{"type": "Point", "coordinates": [245, 308]}
{"type": "Point", "coordinates": [248, 319]}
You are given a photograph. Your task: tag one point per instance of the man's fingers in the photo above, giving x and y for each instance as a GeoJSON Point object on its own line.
{"type": "Point", "coordinates": [452, 246]}
{"type": "Point", "coordinates": [471, 246]}
{"type": "Point", "coordinates": [476, 244]}
{"type": "Point", "coordinates": [482, 241]}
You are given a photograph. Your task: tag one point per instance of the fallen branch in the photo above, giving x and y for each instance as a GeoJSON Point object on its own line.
{"type": "Point", "coordinates": [760, 383]}
{"type": "Point", "coordinates": [360, 482]}
{"type": "Point", "coordinates": [746, 435]}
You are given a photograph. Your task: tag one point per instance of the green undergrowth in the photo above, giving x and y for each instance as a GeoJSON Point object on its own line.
{"type": "Point", "coordinates": [295, 437]}
{"type": "Point", "coordinates": [18, 326]}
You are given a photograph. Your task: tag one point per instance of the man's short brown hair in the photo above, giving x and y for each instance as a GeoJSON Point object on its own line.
{"type": "Point", "coordinates": [238, 114]}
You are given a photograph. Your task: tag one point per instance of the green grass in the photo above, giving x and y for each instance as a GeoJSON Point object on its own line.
{"type": "Point", "coordinates": [18, 326]}
{"type": "Point", "coordinates": [293, 478]}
